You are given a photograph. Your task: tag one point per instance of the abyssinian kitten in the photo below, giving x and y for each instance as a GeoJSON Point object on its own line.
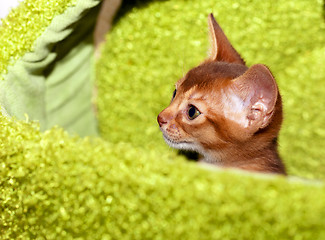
{"type": "Point", "coordinates": [227, 112]}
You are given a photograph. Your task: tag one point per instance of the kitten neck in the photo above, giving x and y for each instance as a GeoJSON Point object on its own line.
{"type": "Point", "coordinates": [250, 156]}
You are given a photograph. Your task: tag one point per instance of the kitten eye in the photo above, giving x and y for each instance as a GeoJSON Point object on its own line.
{"type": "Point", "coordinates": [193, 112]}
{"type": "Point", "coordinates": [174, 94]}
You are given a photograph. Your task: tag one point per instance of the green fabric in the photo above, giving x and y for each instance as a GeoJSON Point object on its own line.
{"type": "Point", "coordinates": [69, 81]}
{"type": "Point", "coordinates": [54, 186]}
{"type": "Point", "coordinates": [24, 25]}
{"type": "Point", "coordinates": [53, 82]}
{"type": "Point", "coordinates": [128, 184]}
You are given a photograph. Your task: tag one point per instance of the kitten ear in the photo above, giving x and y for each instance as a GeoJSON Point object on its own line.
{"type": "Point", "coordinates": [259, 92]}
{"type": "Point", "coordinates": [221, 48]}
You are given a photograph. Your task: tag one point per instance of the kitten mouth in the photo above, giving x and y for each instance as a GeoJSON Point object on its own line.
{"type": "Point", "coordinates": [183, 145]}
{"type": "Point", "coordinates": [169, 140]}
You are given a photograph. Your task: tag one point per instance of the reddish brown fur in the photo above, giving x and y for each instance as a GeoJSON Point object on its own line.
{"type": "Point", "coordinates": [240, 111]}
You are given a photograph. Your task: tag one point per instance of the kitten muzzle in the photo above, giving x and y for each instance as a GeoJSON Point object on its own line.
{"type": "Point", "coordinates": [181, 145]}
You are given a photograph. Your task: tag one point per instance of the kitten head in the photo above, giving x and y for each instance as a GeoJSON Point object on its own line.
{"type": "Point", "coordinates": [222, 103]}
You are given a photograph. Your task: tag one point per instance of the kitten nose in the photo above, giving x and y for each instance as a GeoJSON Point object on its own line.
{"type": "Point", "coordinates": [161, 120]}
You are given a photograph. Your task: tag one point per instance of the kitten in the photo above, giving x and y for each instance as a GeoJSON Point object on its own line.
{"type": "Point", "coordinates": [229, 113]}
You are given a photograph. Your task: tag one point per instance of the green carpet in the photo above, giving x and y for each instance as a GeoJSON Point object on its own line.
{"type": "Point", "coordinates": [128, 184]}
{"type": "Point", "coordinates": [47, 66]}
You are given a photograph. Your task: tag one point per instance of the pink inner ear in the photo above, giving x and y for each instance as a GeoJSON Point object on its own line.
{"type": "Point", "coordinates": [258, 88]}
{"type": "Point", "coordinates": [221, 48]}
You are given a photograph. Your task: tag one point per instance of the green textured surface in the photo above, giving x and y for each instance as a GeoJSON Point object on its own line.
{"type": "Point", "coordinates": [154, 45]}
{"type": "Point", "coordinates": [52, 78]}
{"type": "Point", "coordinates": [129, 184]}
{"type": "Point", "coordinates": [54, 186]}
{"type": "Point", "coordinates": [24, 25]}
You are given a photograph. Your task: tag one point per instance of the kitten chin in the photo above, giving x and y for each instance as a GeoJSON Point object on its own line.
{"type": "Point", "coordinates": [188, 146]}
{"type": "Point", "coordinates": [192, 147]}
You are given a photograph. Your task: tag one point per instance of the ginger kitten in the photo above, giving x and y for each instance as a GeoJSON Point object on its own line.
{"type": "Point", "coordinates": [227, 112]}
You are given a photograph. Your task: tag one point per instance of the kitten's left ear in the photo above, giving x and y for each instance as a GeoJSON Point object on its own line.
{"type": "Point", "coordinates": [221, 48]}
{"type": "Point", "coordinates": [259, 92]}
